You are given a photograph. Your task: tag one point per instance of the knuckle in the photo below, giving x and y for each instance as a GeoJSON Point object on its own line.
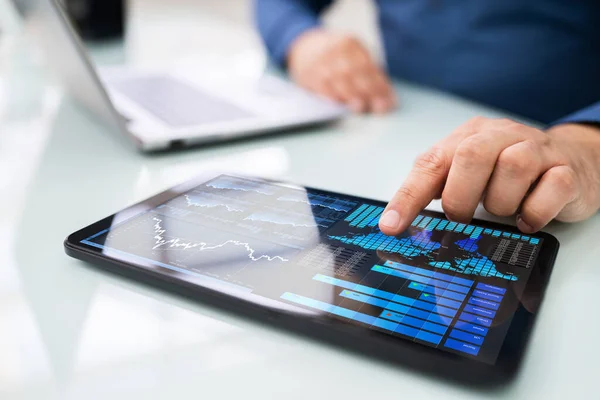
{"type": "Point", "coordinates": [476, 121]}
{"type": "Point", "coordinates": [472, 151]}
{"type": "Point", "coordinates": [499, 208]}
{"type": "Point", "coordinates": [513, 163]}
{"type": "Point", "coordinates": [453, 209]}
{"type": "Point", "coordinates": [348, 42]}
{"type": "Point", "coordinates": [432, 162]}
{"type": "Point", "coordinates": [563, 179]}
{"type": "Point", "coordinates": [406, 194]}
{"type": "Point", "coordinates": [530, 148]}
{"type": "Point", "coordinates": [507, 124]}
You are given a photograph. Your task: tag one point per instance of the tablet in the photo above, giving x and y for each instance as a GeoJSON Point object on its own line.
{"type": "Point", "coordinates": [457, 300]}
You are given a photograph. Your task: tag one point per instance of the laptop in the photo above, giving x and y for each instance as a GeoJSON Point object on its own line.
{"type": "Point", "coordinates": [159, 110]}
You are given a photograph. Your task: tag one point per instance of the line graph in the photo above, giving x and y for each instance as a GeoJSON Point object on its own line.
{"type": "Point", "coordinates": [281, 220]}
{"type": "Point", "coordinates": [319, 200]}
{"type": "Point", "coordinates": [292, 220]}
{"type": "Point", "coordinates": [195, 200]}
{"type": "Point", "coordinates": [232, 228]}
{"type": "Point", "coordinates": [243, 185]}
{"type": "Point", "coordinates": [177, 243]}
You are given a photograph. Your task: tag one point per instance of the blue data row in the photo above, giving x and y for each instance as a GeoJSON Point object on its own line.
{"type": "Point", "coordinates": [438, 224]}
{"type": "Point", "coordinates": [430, 274]}
{"type": "Point", "coordinates": [382, 294]}
{"type": "Point", "coordinates": [484, 312]}
{"type": "Point", "coordinates": [488, 296]}
{"type": "Point", "coordinates": [406, 303]}
{"type": "Point", "coordinates": [364, 318]}
{"type": "Point", "coordinates": [414, 322]}
{"type": "Point", "coordinates": [437, 291]}
{"type": "Point", "coordinates": [484, 303]}
{"type": "Point", "coordinates": [470, 327]}
{"type": "Point", "coordinates": [475, 319]}
{"type": "Point", "coordinates": [466, 337]}
{"type": "Point", "coordinates": [462, 347]}
{"type": "Point", "coordinates": [421, 279]}
{"type": "Point", "coordinates": [490, 288]}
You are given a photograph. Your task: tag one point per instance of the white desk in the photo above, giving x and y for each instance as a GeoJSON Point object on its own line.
{"type": "Point", "coordinates": [68, 331]}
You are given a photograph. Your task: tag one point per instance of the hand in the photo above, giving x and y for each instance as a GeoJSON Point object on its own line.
{"type": "Point", "coordinates": [511, 168]}
{"type": "Point", "coordinates": [339, 67]}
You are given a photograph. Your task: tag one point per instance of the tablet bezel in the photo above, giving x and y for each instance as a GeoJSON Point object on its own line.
{"type": "Point", "coordinates": [374, 343]}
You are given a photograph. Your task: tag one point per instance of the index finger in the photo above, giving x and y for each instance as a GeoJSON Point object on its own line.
{"type": "Point", "coordinates": [424, 183]}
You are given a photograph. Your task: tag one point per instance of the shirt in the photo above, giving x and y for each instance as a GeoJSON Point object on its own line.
{"type": "Point", "coordinates": [539, 59]}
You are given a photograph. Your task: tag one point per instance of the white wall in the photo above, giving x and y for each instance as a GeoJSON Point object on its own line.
{"type": "Point", "coordinates": [355, 16]}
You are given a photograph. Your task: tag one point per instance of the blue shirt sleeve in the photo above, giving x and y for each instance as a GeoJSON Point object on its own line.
{"type": "Point", "coordinates": [589, 115]}
{"type": "Point", "coordinates": [279, 22]}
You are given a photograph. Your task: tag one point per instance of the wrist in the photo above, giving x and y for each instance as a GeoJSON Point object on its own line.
{"type": "Point", "coordinates": [576, 130]}
{"type": "Point", "coordinates": [585, 134]}
{"type": "Point", "coordinates": [303, 43]}
{"type": "Point", "coordinates": [581, 144]}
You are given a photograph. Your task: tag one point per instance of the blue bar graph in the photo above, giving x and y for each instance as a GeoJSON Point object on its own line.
{"type": "Point", "coordinates": [474, 232]}
{"type": "Point", "coordinates": [364, 318]}
{"type": "Point", "coordinates": [372, 219]}
{"type": "Point", "coordinates": [429, 337]}
{"type": "Point", "coordinates": [442, 225]}
{"type": "Point", "coordinates": [429, 273]}
{"type": "Point", "coordinates": [401, 304]}
{"type": "Point", "coordinates": [365, 215]}
{"type": "Point", "coordinates": [436, 291]}
{"type": "Point", "coordinates": [417, 220]}
{"type": "Point", "coordinates": [440, 300]}
{"type": "Point", "coordinates": [427, 315]}
{"type": "Point", "coordinates": [356, 213]}
{"type": "Point", "coordinates": [432, 224]}
{"type": "Point", "coordinates": [414, 322]}
{"type": "Point", "coordinates": [424, 222]}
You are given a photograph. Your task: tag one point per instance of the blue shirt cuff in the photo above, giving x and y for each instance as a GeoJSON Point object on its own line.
{"type": "Point", "coordinates": [294, 28]}
{"type": "Point", "coordinates": [589, 115]}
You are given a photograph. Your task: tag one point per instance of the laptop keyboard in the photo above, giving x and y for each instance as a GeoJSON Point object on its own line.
{"type": "Point", "coordinates": [177, 103]}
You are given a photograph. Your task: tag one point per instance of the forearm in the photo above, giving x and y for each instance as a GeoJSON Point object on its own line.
{"type": "Point", "coordinates": [280, 22]}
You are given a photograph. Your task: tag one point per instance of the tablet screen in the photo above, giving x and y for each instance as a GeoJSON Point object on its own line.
{"type": "Point", "coordinates": [447, 285]}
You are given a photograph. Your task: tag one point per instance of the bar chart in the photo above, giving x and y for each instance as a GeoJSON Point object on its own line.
{"type": "Point", "coordinates": [452, 246]}
{"type": "Point", "coordinates": [432, 307]}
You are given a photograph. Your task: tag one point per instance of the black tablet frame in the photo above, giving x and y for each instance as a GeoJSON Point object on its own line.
{"type": "Point", "coordinates": [333, 330]}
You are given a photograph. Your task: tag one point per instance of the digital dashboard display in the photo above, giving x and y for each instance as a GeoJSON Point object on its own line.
{"type": "Point", "coordinates": [447, 285]}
